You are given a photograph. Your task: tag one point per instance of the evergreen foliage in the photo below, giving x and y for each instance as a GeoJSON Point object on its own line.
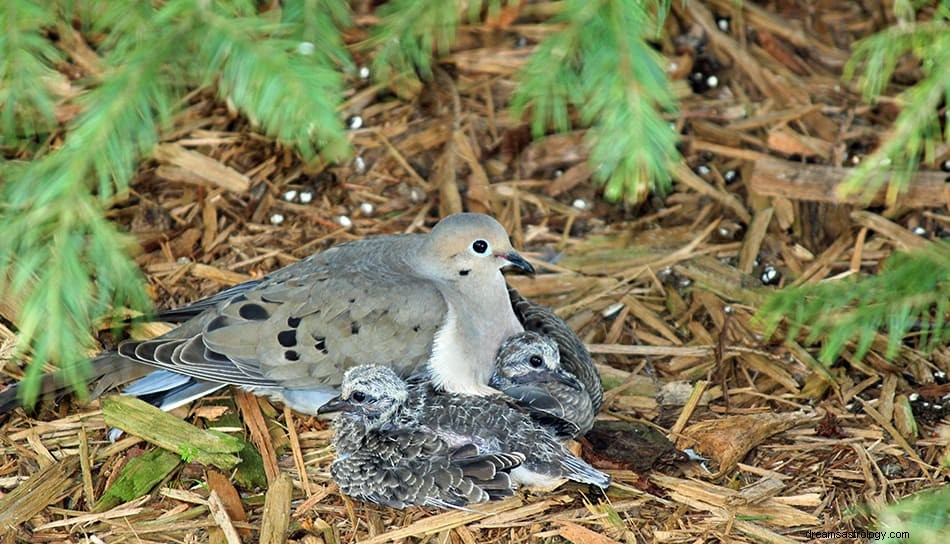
{"type": "Point", "coordinates": [601, 64]}
{"type": "Point", "coordinates": [912, 292]}
{"type": "Point", "coordinates": [917, 132]}
{"type": "Point", "coordinates": [61, 259]}
{"type": "Point", "coordinates": [924, 518]}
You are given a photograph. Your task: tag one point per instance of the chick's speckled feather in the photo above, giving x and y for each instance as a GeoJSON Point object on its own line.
{"type": "Point", "coordinates": [492, 424]}
{"type": "Point", "coordinates": [382, 459]}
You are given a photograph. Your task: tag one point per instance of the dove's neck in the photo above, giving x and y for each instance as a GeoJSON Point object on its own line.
{"type": "Point", "coordinates": [463, 352]}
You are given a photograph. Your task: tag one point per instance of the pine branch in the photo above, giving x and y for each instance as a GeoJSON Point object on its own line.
{"type": "Point", "coordinates": [66, 263]}
{"type": "Point", "coordinates": [601, 65]}
{"type": "Point", "coordinates": [26, 56]}
{"type": "Point", "coordinates": [273, 81]}
{"type": "Point", "coordinates": [916, 133]}
{"type": "Point", "coordinates": [911, 293]}
{"type": "Point", "coordinates": [408, 33]}
{"type": "Point", "coordinates": [318, 22]}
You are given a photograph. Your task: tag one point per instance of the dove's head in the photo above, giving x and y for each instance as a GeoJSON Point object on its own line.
{"type": "Point", "coordinates": [529, 358]}
{"type": "Point", "coordinates": [370, 393]}
{"type": "Point", "coordinates": [469, 246]}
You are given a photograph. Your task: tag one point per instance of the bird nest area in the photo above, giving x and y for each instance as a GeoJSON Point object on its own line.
{"type": "Point", "coordinates": [664, 293]}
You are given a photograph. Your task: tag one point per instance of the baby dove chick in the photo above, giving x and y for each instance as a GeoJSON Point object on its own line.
{"type": "Point", "coordinates": [528, 369]}
{"type": "Point", "coordinates": [491, 423]}
{"type": "Point", "coordinates": [384, 458]}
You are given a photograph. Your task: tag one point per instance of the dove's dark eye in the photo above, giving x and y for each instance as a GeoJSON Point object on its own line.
{"type": "Point", "coordinates": [358, 396]}
{"type": "Point", "coordinates": [536, 361]}
{"type": "Point", "coordinates": [480, 246]}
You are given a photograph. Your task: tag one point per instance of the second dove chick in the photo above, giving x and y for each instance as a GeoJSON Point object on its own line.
{"type": "Point", "coordinates": [528, 369]}
{"type": "Point", "coordinates": [385, 458]}
{"type": "Point", "coordinates": [490, 423]}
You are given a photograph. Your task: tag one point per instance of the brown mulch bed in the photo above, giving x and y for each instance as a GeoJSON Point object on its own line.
{"type": "Point", "coordinates": [664, 294]}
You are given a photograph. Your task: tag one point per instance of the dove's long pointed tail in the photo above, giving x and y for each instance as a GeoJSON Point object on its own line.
{"type": "Point", "coordinates": [109, 371]}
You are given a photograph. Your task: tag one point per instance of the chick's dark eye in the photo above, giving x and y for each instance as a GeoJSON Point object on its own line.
{"type": "Point", "coordinates": [480, 246]}
{"type": "Point", "coordinates": [536, 361]}
{"type": "Point", "coordinates": [358, 396]}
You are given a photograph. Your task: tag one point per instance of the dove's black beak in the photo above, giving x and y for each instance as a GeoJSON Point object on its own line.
{"type": "Point", "coordinates": [336, 404]}
{"type": "Point", "coordinates": [517, 261]}
{"type": "Point", "coordinates": [550, 377]}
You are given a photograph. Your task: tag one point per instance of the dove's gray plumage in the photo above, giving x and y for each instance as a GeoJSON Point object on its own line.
{"type": "Point", "coordinates": [528, 369]}
{"type": "Point", "coordinates": [384, 460]}
{"type": "Point", "coordinates": [492, 423]}
{"type": "Point", "coordinates": [400, 301]}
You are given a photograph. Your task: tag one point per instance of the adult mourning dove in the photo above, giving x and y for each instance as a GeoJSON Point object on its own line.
{"type": "Point", "coordinates": [528, 369]}
{"type": "Point", "coordinates": [384, 460]}
{"type": "Point", "coordinates": [398, 300]}
{"type": "Point", "coordinates": [491, 423]}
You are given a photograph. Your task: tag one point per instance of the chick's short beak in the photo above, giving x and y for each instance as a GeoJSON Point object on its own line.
{"type": "Point", "coordinates": [517, 261]}
{"type": "Point", "coordinates": [569, 380]}
{"type": "Point", "coordinates": [336, 404]}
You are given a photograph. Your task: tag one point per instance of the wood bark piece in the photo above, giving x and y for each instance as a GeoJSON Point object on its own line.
{"type": "Point", "coordinates": [193, 167]}
{"type": "Point", "coordinates": [167, 431]}
{"type": "Point", "coordinates": [729, 439]}
{"type": "Point", "coordinates": [797, 181]}
{"type": "Point", "coordinates": [39, 491]}
{"type": "Point", "coordinates": [276, 516]}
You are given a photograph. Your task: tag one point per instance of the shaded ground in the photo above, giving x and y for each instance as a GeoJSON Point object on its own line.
{"type": "Point", "coordinates": [663, 293]}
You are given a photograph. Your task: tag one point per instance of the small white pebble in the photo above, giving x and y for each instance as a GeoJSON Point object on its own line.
{"type": "Point", "coordinates": [940, 374]}
{"type": "Point", "coordinates": [703, 170]}
{"type": "Point", "coordinates": [306, 197]}
{"type": "Point", "coordinates": [612, 310]}
{"type": "Point", "coordinates": [913, 397]}
{"type": "Point", "coordinates": [184, 260]}
{"type": "Point", "coordinates": [360, 164]}
{"type": "Point", "coordinates": [306, 48]}
{"type": "Point", "coordinates": [364, 72]}
{"type": "Point", "coordinates": [723, 231]}
{"type": "Point", "coordinates": [344, 221]}
{"type": "Point", "coordinates": [730, 176]}
{"type": "Point", "coordinates": [723, 24]}
{"type": "Point", "coordinates": [366, 208]}
{"type": "Point", "coordinates": [580, 204]}
{"type": "Point", "coordinates": [416, 195]}
{"type": "Point", "coordinates": [946, 165]}
{"type": "Point", "coordinates": [855, 159]}
{"type": "Point", "coordinates": [355, 122]}
{"type": "Point", "coordinates": [290, 195]}
{"type": "Point", "coordinates": [558, 173]}
{"type": "Point", "coordinates": [925, 404]}
{"type": "Point", "coordinates": [770, 274]}
{"type": "Point", "coordinates": [727, 309]}
{"type": "Point", "coordinates": [712, 82]}
{"type": "Point", "coordinates": [920, 231]}
{"type": "Point", "coordinates": [938, 407]}
{"type": "Point", "coordinates": [277, 219]}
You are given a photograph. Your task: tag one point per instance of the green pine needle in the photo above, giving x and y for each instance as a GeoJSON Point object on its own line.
{"type": "Point", "coordinates": [26, 58]}
{"type": "Point", "coordinates": [601, 65]}
{"type": "Point", "coordinates": [910, 294]}
{"type": "Point", "coordinates": [916, 133]}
